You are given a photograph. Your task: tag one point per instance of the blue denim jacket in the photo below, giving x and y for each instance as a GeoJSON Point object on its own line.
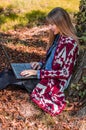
{"type": "Point", "coordinates": [49, 57]}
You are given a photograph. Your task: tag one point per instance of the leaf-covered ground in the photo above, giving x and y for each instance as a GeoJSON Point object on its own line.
{"type": "Point", "coordinates": [17, 111]}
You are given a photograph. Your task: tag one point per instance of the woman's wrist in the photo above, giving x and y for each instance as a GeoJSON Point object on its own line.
{"type": "Point", "coordinates": [35, 72]}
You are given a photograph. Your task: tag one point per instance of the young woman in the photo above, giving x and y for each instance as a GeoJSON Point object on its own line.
{"type": "Point", "coordinates": [54, 74]}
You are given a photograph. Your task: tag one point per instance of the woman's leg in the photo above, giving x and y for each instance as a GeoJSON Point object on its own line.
{"type": "Point", "coordinates": [30, 84]}
{"type": "Point", "coordinates": [7, 77]}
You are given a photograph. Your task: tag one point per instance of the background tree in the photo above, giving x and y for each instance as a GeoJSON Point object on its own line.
{"type": "Point", "coordinates": [79, 78]}
{"type": "Point", "coordinates": [81, 32]}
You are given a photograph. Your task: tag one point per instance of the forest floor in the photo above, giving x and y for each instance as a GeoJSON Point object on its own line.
{"type": "Point", "coordinates": [17, 111]}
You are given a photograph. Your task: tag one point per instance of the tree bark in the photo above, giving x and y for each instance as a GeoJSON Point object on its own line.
{"type": "Point", "coordinates": [79, 68]}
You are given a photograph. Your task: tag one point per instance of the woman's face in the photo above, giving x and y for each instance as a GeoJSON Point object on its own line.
{"type": "Point", "coordinates": [54, 28]}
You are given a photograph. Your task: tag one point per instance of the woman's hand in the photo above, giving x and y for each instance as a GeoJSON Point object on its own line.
{"type": "Point", "coordinates": [35, 65]}
{"type": "Point", "coordinates": [27, 73]}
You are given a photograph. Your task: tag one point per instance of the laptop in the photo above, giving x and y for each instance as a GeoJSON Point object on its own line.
{"type": "Point", "coordinates": [18, 67]}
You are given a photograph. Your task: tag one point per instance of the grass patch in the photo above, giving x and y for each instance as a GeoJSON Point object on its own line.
{"type": "Point", "coordinates": [16, 13]}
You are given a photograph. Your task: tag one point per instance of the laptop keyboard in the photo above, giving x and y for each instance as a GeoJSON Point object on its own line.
{"type": "Point", "coordinates": [19, 67]}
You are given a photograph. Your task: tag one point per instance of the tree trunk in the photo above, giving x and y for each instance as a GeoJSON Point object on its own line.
{"type": "Point", "coordinates": [80, 68]}
{"type": "Point", "coordinates": [81, 32]}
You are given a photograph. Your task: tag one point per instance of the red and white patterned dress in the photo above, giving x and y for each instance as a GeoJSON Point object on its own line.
{"type": "Point", "coordinates": [49, 92]}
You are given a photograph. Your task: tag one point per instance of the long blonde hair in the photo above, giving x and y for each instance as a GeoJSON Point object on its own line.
{"type": "Point", "coordinates": [61, 19]}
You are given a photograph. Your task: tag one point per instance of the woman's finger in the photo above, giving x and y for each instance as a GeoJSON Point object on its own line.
{"type": "Point", "coordinates": [38, 67]}
{"type": "Point", "coordinates": [33, 65]}
{"type": "Point", "coordinates": [24, 72]}
{"type": "Point", "coordinates": [25, 75]}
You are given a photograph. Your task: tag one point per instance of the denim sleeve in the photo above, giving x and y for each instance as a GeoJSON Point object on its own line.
{"type": "Point", "coordinates": [38, 74]}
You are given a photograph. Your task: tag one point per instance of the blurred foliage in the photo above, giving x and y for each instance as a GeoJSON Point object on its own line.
{"type": "Point", "coordinates": [78, 90]}
{"type": "Point", "coordinates": [17, 13]}
{"type": "Point", "coordinates": [84, 79]}
{"type": "Point", "coordinates": [35, 17]}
